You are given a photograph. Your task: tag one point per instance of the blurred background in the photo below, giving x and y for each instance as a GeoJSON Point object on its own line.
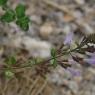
{"type": "Point", "coordinates": [51, 20]}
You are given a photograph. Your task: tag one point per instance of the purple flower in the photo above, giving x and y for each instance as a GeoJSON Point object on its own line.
{"type": "Point", "coordinates": [90, 60]}
{"type": "Point", "coordinates": [74, 72]}
{"type": "Point", "coordinates": [92, 54]}
{"type": "Point", "coordinates": [69, 38]}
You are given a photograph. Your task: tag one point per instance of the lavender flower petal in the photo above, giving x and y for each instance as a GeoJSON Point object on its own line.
{"type": "Point", "coordinates": [74, 72]}
{"type": "Point", "coordinates": [69, 38]}
{"type": "Point", "coordinates": [90, 60]}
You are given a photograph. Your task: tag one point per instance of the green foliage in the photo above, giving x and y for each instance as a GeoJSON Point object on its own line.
{"type": "Point", "coordinates": [53, 52]}
{"type": "Point", "coordinates": [22, 20]}
{"type": "Point", "coordinates": [23, 23]}
{"type": "Point", "coordinates": [54, 62]}
{"type": "Point", "coordinates": [3, 2]}
{"type": "Point", "coordinates": [8, 74]}
{"type": "Point", "coordinates": [34, 61]}
{"type": "Point", "coordinates": [9, 16]}
{"type": "Point", "coordinates": [11, 60]}
{"type": "Point", "coordinates": [53, 56]}
{"type": "Point", "coordinates": [20, 11]}
{"type": "Point", "coordinates": [18, 15]}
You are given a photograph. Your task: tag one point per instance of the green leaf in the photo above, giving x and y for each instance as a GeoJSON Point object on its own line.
{"type": "Point", "coordinates": [11, 60]}
{"type": "Point", "coordinates": [3, 2]}
{"type": "Point", "coordinates": [53, 52]}
{"type": "Point", "coordinates": [9, 73]}
{"type": "Point", "coordinates": [53, 56]}
{"type": "Point", "coordinates": [23, 23]}
{"type": "Point", "coordinates": [9, 16]}
{"type": "Point", "coordinates": [54, 62]}
{"type": "Point", "coordinates": [20, 10]}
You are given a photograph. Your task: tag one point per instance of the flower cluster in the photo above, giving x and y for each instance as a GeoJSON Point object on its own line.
{"type": "Point", "coordinates": [83, 48]}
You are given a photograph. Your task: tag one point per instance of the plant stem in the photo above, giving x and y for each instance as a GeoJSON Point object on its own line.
{"type": "Point", "coordinates": [49, 59]}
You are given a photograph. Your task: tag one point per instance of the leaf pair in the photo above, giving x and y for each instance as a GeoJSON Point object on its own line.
{"type": "Point", "coordinates": [11, 60]}
{"type": "Point", "coordinates": [53, 56]}
{"type": "Point", "coordinates": [22, 20]}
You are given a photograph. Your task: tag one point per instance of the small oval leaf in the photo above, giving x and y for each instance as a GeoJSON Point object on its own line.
{"type": "Point", "coordinates": [10, 60]}
{"type": "Point", "coordinates": [53, 52]}
{"type": "Point", "coordinates": [20, 10]}
{"type": "Point", "coordinates": [9, 16]}
{"type": "Point", "coordinates": [9, 74]}
{"type": "Point", "coordinates": [23, 23]}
